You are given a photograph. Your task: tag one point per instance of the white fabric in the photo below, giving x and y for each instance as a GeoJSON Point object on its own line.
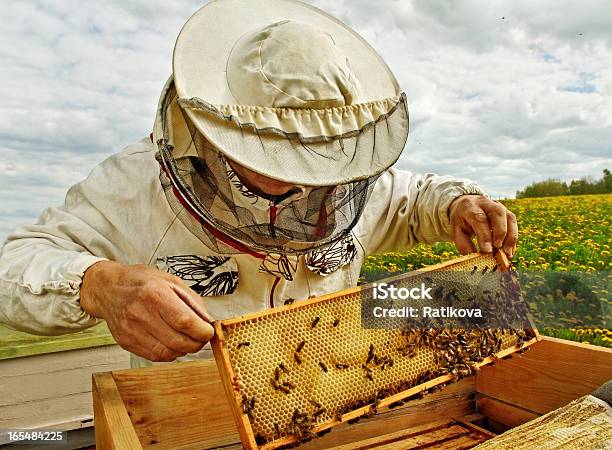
{"type": "Point", "coordinates": [280, 81]}
{"type": "Point", "coordinates": [263, 65]}
{"type": "Point", "coordinates": [120, 213]}
{"type": "Point", "coordinates": [206, 41]}
{"type": "Point", "coordinates": [311, 125]}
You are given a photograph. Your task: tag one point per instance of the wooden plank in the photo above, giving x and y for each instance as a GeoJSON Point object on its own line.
{"type": "Point", "coordinates": [46, 413]}
{"type": "Point", "coordinates": [53, 390]}
{"type": "Point", "coordinates": [41, 386]}
{"type": "Point", "coordinates": [15, 344]}
{"type": "Point", "coordinates": [229, 382]}
{"type": "Point", "coordinates": [509, 415]}
{"type": "Point", "coordinates": [410, 438]}
{"type": "Point", "coordinates": [467, 422]}
{"type": "Point", "coordinates": [551, 374]}
{"type": "Point", "coordinates": [179, 405]}
{"type": "Point", "coordinates": [474, 417]}
{"type": "Point", "coordinates": [183, 405]}
{"type": "Point", "coordinates": [59, 362]}
{"type": "Point", "coordinates": [112, 423]}
{"type": "Point", "coordinates": [502, 260]}
{"type": "Point", "coordinates": [455, 400]}
{"type": "Point", "coordinates": [462, 442]}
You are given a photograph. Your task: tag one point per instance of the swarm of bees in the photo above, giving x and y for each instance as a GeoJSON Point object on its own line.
{"type": "Point", "coordinates": [456, 353]}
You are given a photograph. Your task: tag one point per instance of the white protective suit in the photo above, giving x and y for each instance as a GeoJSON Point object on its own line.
{"type": "Point", "coordinates": [120, 213]}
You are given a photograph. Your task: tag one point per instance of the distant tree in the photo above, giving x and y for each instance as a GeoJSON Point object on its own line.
{"type": "Point", "coordinates": [553, 187]}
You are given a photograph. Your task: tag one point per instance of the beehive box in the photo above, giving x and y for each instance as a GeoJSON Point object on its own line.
{"type": "Point", "coordinates": [293, 372]}
{"type": "Point", "coordinates": [184, 406]}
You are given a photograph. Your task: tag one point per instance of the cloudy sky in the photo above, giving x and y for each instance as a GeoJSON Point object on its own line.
{"type": "Point", "coordinates": [502, 92]}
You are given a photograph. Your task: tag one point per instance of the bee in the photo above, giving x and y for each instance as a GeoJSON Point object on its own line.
{"type": "Point", "coordinates": [474, 270]}
{"type": "Point", "coordinates": [368, 372]}
{"type": "Point", "coordinates": [244, 403]}
{"type": "Point", "coordinates": [342, 366]}
{"type": "Point", "coordinates": [277, 431]}
{"type": "Point", "coordinates": [324, 432]}
{"type": "Point", "coordinates": [259, 439]}
{"type": "Point", "coordinates": [387, 362]}
{"type": "Point", "coordinates": [437, 293]}
{"type": "Point", "coordinates": [298, 417]}
{"type": "Point", "coordinates": [247, 405]}
{"type": "Point", "coordinates": [336, 323]}
{"type": "Point", "coordinates": [323, 366]}
{"type": "Point", "coordinates": [288, 385]}
{"type": "Point", "coordinates": [243, 344]}
{"type": "Point", "coordinates": [300, 346]}
{"type": "Point", "coordinates": [451, 296]}
{"type": "Point", "coordinates": [297, 358]}
{"type": "Point", "coordinates": [318, 412]}
{"type": "Point", "coordinates": [494, 268]}
{"type": "Point", "coordinates": [283, 368]}
{"type": "Point", "coordinates": [485, 269]}
{"type": "Point", "coordinates": [315, 322]}
{"type": "Point", "coordinates": [277, 373]}
{"type": "Point", "coordinates": [315, 404]}
{"type": "Point", "coordinates": [289, 301]}
{"type": "Point", "coordinates": [280, 387]}
{"type": "Point", "coordinates": [370, 354]}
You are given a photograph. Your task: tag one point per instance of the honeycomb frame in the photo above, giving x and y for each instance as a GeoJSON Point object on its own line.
{"type": "Point", "coordinates": [230, 351]}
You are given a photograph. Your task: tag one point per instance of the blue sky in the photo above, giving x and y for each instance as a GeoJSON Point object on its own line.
{"type": "Point", "coordinates": [502, 92]}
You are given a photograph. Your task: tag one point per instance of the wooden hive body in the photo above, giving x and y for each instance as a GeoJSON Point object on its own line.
{"type": "Point", "coordinates": [295, 371]}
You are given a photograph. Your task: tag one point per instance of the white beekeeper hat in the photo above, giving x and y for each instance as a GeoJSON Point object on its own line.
{"type": "Point", "coordinates": [289, 91]}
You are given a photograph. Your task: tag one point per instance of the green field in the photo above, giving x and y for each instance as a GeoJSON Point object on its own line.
{"type": "Point", "coordinates": [565, 240]}
{"type": "Point", "coordinates": [14, 344]}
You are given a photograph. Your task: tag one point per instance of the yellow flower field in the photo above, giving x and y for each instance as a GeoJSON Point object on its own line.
{"type": "Point", "coordinates": [557, 234]}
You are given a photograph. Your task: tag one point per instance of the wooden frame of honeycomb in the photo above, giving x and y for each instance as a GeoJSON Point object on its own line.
{"type": "Point", "coordinates": [295, 371]}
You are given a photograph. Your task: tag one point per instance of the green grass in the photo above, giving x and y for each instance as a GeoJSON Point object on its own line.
{"type": "Point", "coordinates": [566, 333]}
{"type": "Point", "coordinates": [14, 344]}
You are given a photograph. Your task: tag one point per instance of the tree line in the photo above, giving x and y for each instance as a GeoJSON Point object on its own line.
{"type": "Point", "coordinates": [553, 187]}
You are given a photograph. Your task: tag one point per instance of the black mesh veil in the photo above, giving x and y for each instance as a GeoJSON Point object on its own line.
{"type": "Point", "coordinates": [210, 199]}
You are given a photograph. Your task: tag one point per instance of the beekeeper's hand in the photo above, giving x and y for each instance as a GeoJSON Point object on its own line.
{"type": "Point", "coordinates": [149, 312]}
{"type": "Point", "coordinates": [491, 223]}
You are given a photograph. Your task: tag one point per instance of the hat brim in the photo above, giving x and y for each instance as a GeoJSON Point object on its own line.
{"type": "Point", "coordinates": [199, 64]}
{"type": "Point", "coordinates": [288, 158]}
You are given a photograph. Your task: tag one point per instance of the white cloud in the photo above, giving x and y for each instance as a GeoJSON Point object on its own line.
{"type": "Point", "coordinates": [503, 92]}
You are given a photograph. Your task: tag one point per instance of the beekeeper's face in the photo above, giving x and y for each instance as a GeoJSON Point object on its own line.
{"type": "Point", "coordinates": [258, 183]}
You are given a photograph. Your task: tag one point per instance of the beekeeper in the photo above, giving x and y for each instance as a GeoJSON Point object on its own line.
{"type": "Point", "coordinates": [266, 178]}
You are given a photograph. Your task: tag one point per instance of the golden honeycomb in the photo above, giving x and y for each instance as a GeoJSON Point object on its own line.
{"type": "Point", "coordinates": [313, 361]}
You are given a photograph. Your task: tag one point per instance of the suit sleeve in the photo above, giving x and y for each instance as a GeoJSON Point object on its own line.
{"type": "Point", "coordinates": [406, 209]}
{"type": "Point", "coordinates": [42, 265]}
